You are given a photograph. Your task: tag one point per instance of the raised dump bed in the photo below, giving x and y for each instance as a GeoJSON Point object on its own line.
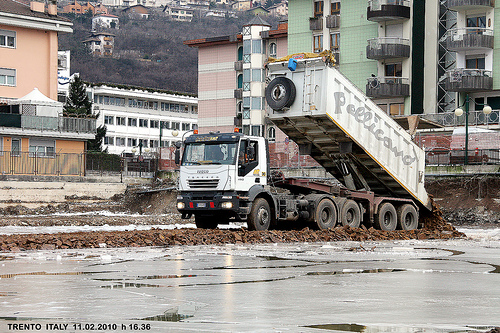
{"type": "Point", "coordinates": [345, 131]}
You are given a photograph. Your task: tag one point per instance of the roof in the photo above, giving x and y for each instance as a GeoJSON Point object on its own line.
{"type": "Point", "coordinates": [35, 97]}
{"type": "Point", "coordinates": [19, 8]}
{"type": "Point", "coordinates": [257, 20]}
{"type": "Point", "coordinates": [106, 15]}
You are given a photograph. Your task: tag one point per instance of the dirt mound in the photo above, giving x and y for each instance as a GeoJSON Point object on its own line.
{"type": "Point", "coordinates": [157, 237]}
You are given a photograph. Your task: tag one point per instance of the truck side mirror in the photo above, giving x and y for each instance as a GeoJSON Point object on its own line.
{"type": "Point", "coordinates": [177, 156]}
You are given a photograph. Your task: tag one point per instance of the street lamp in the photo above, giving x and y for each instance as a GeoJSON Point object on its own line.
{"type": "Point", "coordinates": [458, 112]}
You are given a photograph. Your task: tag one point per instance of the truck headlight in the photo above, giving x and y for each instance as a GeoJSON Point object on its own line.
{"type": "Point", "coordinates": [227, 205]}
{"type": "Point", "coordinates": [181, 205]}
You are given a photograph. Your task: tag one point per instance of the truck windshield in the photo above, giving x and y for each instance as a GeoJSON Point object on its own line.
{"type": "Point", "coordinates": [210, 153]}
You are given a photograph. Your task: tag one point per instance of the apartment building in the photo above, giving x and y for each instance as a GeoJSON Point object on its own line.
{"type": "Point", "coordinates": [105, 21]}
{"type": "Point", "coordinates": [101, 43]}
{"type": "Point", "coordinates": [380, 44]}
{"type": "Point", "coordinates": [136, 118]}
{"type": "Point", "coordinates": [35, 137]}
{"type": "Point", "coordinates": [179, 13]}
{"type": "Point", "coordinates": [77, 8]}
{"type": "Point", "coordinates": [231, 78]}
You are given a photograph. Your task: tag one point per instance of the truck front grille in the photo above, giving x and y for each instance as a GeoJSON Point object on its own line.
{"type": "Point", "coordinates": [203, 183]}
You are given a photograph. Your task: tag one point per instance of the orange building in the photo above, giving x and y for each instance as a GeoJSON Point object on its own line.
{"type": "Point", "coordinates": [82, 9]}
{"type": "Point", "coordinates": [35, 138]}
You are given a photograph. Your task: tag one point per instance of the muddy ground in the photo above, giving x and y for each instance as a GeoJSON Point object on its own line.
{"type": "Point", "coordinates": [472, 202]}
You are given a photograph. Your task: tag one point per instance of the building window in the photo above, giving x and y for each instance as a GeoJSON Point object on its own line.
{"type": "Point", "coordinates": [108, 140]}
{"type": "Point", "coordinates": [132, 122]}
{"type": "Point", "coordinates": [394, 70]}
{"type": "Point", "coordinates": [154, 123]}
{"type": "Point", "coordinates": [247, 46]}
{"type": "Point", "coordinates": [271, 134]}
{"type": "Point", "coordinates": [256, 130]}
{"type": "Point", "coordinates": [120, 142]}
{"type": "Point", "coordinates": [273, 50]}
{"type": "Point", "coordinates": [186, 126]}
{"type": "Point", "coordinates": [256, 103]}
{"type": "Point", "coordinates": [257, 75]}
{"type": "Point", "coordinates": [42, 148]}
{"type": "Point", "coordinates": [131, 142]}
{"type": "Point", "coordinates": [246, 102]}
{"type": "Point", "coordinates": [318, 8]}
{"type": "Point", "coordinates": [7, 38]}
{"type": "Point", "coordinates": [120, 121]}
{"type": "Point", "coordinates": [334, 41]}
{"type": "Point", "coordinates": [318, 43]}
{"type": "Point", "coordinates": [240, 81]}
{"type": "Point", "coordinates": [257, 46]}
{"type": "Point", "coordinates": [475, 62]}
{"type": "Point", "coordinates": [109, 120]}
{"type": "Point", "coordinates": [7, 77]}
{"type": "Point", "coordinates": [335, 8]}
{"type": "Point", "coordinates": [164, 124]}
{"type": "Point", "coordinates": [15, 147]}
{"type": "Point", "coordinates": [143, 122]}
{"type": "Point", "coordinates": [476, 21]}
{"type": "Point", "coordinates": [240, 53]}
{"type": "Point", "coordinates": [176, 125]}
{"type": "Point", "coordinates": [397, 109]}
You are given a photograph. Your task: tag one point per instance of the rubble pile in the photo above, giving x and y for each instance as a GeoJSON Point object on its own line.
{"type": "Point", "coordinates": [157, 237]}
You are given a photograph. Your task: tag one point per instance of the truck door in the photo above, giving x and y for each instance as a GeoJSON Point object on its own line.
{"type": "Point", "coordinates": [252, 166]}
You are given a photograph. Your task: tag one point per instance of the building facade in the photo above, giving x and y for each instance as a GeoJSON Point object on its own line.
{"type": "Point", "coordinates": [101, 44]}
{"type": "Point", "coordinates": [95, 8]}
{"type": "Point", "coordinates": [231, 78]}
{"type": "Point", "coordinates": [139, 119]}
{"type": "Point", "coordinates": [383, 49]}
{"type": "Point", "coordinates": [105, 21]}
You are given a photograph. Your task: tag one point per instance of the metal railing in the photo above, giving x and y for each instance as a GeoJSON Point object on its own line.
{"type": "Point", "coordinates": [460, 72]}
{"type": "Point", "coordinates": [377, 4]}
{"type": "Point", "coordinates": [449, 119]}
{"type": "Point", "coordinates": [41, 123]}
{"type": "Point", "coordinates": [376, 43]}
{"type": "Point", "coordinates": [457, 156]}
{"type": "Point", "coordinates": [373, 81]}
{"type": "Point", "coordinates": [458, 33]}
{"type": "Point", "coordinates": [31, 163]}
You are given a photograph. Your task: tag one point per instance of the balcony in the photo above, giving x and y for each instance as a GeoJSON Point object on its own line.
{"type": "Point", "coordinates": [388, 86]}
{"type": "Point", "coordinates": [468, 80]}
{"type": "Point", "coordinates": [387, 48]}
{"type": "Point", "coordinates": [462, 5]}
{"type": "Point", "coordinates": [387, 10]}
{"type": "Point", "coordinates": [316, 23]}
{"type": "Point", "coordinates": [238, 65]}
{"type": "Point", "coordinates": [332, 21]}
{"type": "Point", "coordinates": [469, 38]}
{"type": "Point", "coordinates": [58, 124]}
{"type": "Point", "coordinates": [238, 93]}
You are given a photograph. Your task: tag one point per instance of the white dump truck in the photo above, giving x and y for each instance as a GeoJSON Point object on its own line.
{"type": "Point", "coordinates": [226, 177]}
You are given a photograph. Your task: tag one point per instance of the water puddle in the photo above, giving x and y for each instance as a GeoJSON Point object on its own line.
{"type": "Point", "coordinates": [11, 275]}
{"type": "Point", "coordinates": [399, 329]}
{"type": "Point", "coordinates": [132, 285]}
{"type": "Point", "coordinates": [361, 271]}
{"type": "Point", "coordinates": [151, 277]}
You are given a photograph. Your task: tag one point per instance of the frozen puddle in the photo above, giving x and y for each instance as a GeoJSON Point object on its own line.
{"type": "Point", "coordinates": [399, 286]}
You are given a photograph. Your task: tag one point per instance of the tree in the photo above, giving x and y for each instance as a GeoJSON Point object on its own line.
{"type": "Point", "coordinates": [96, 143]}
{"type": "Point", "coordinates": [79, 104]}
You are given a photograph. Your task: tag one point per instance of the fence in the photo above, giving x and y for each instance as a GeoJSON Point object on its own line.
{"type": "Point", "coordinates": [30, 163]}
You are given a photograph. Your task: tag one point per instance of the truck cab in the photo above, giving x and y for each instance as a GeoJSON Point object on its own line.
{"type": "Point", "coordinates": [220, 174]}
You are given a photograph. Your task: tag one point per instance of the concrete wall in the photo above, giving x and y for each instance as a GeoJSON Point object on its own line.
{"type": "Point", "coordinates": [43, 193]}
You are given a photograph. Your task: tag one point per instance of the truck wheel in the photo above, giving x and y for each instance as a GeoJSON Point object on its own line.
{"type": "Point", "coordinates": [351, 214]}
{"type": "Point", "coordinates": [325, 215]}
{"type": "Point", "coordinates": [205, 222]}
{"type": "Point", "coordinates": [407, 217]}
{"type": "Point", "coordinates": [260, 215]}
{"type": "Point", "coordinates": [386, 218]}
{"type": "Point", "coordinates": [280, 93]}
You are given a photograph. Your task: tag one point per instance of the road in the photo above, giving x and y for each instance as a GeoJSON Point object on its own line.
{"type": "Point", "coordinates": [397, 286]}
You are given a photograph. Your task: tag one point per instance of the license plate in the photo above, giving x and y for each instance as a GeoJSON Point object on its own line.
{"type": "Point", "coordinates": [201, 205]}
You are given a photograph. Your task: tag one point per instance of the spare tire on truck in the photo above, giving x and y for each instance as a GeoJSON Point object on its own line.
{"type": "Point", "coordinates": [280, 93]}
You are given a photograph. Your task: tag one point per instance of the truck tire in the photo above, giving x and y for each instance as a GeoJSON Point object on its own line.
{"type": "Point", "coordinates": [407, 217]}
{"type": "Point", "coordinates": [205, 222]}
{"type": "Point", "coordinates": [386, 218]}
{"type": "Point", "coordinates": [260, 215]}
{"type": "Point", "coordinates": [325, 215]}
{"type": "Point", "coordinates": [351, 214]}
{"type": "Point", "coordinates": [280, 93]}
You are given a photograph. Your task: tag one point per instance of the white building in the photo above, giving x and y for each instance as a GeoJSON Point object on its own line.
{"type": "Point", "coordinates": [105, 21]}
{"type": "Point", "coordinates": [179, 13]}
{"type": "Point", "coordinates": [134, 117]}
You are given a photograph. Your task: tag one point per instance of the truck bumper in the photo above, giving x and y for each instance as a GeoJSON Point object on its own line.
{"type": "Point", "coordinates": [210, 204]}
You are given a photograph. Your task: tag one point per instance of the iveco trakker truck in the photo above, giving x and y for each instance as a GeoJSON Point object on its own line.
{"type": "Point", "coordinates": [226, 176]}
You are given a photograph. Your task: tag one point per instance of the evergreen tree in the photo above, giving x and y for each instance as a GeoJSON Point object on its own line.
{"type": "Point", "coordinates": [78, 102]}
